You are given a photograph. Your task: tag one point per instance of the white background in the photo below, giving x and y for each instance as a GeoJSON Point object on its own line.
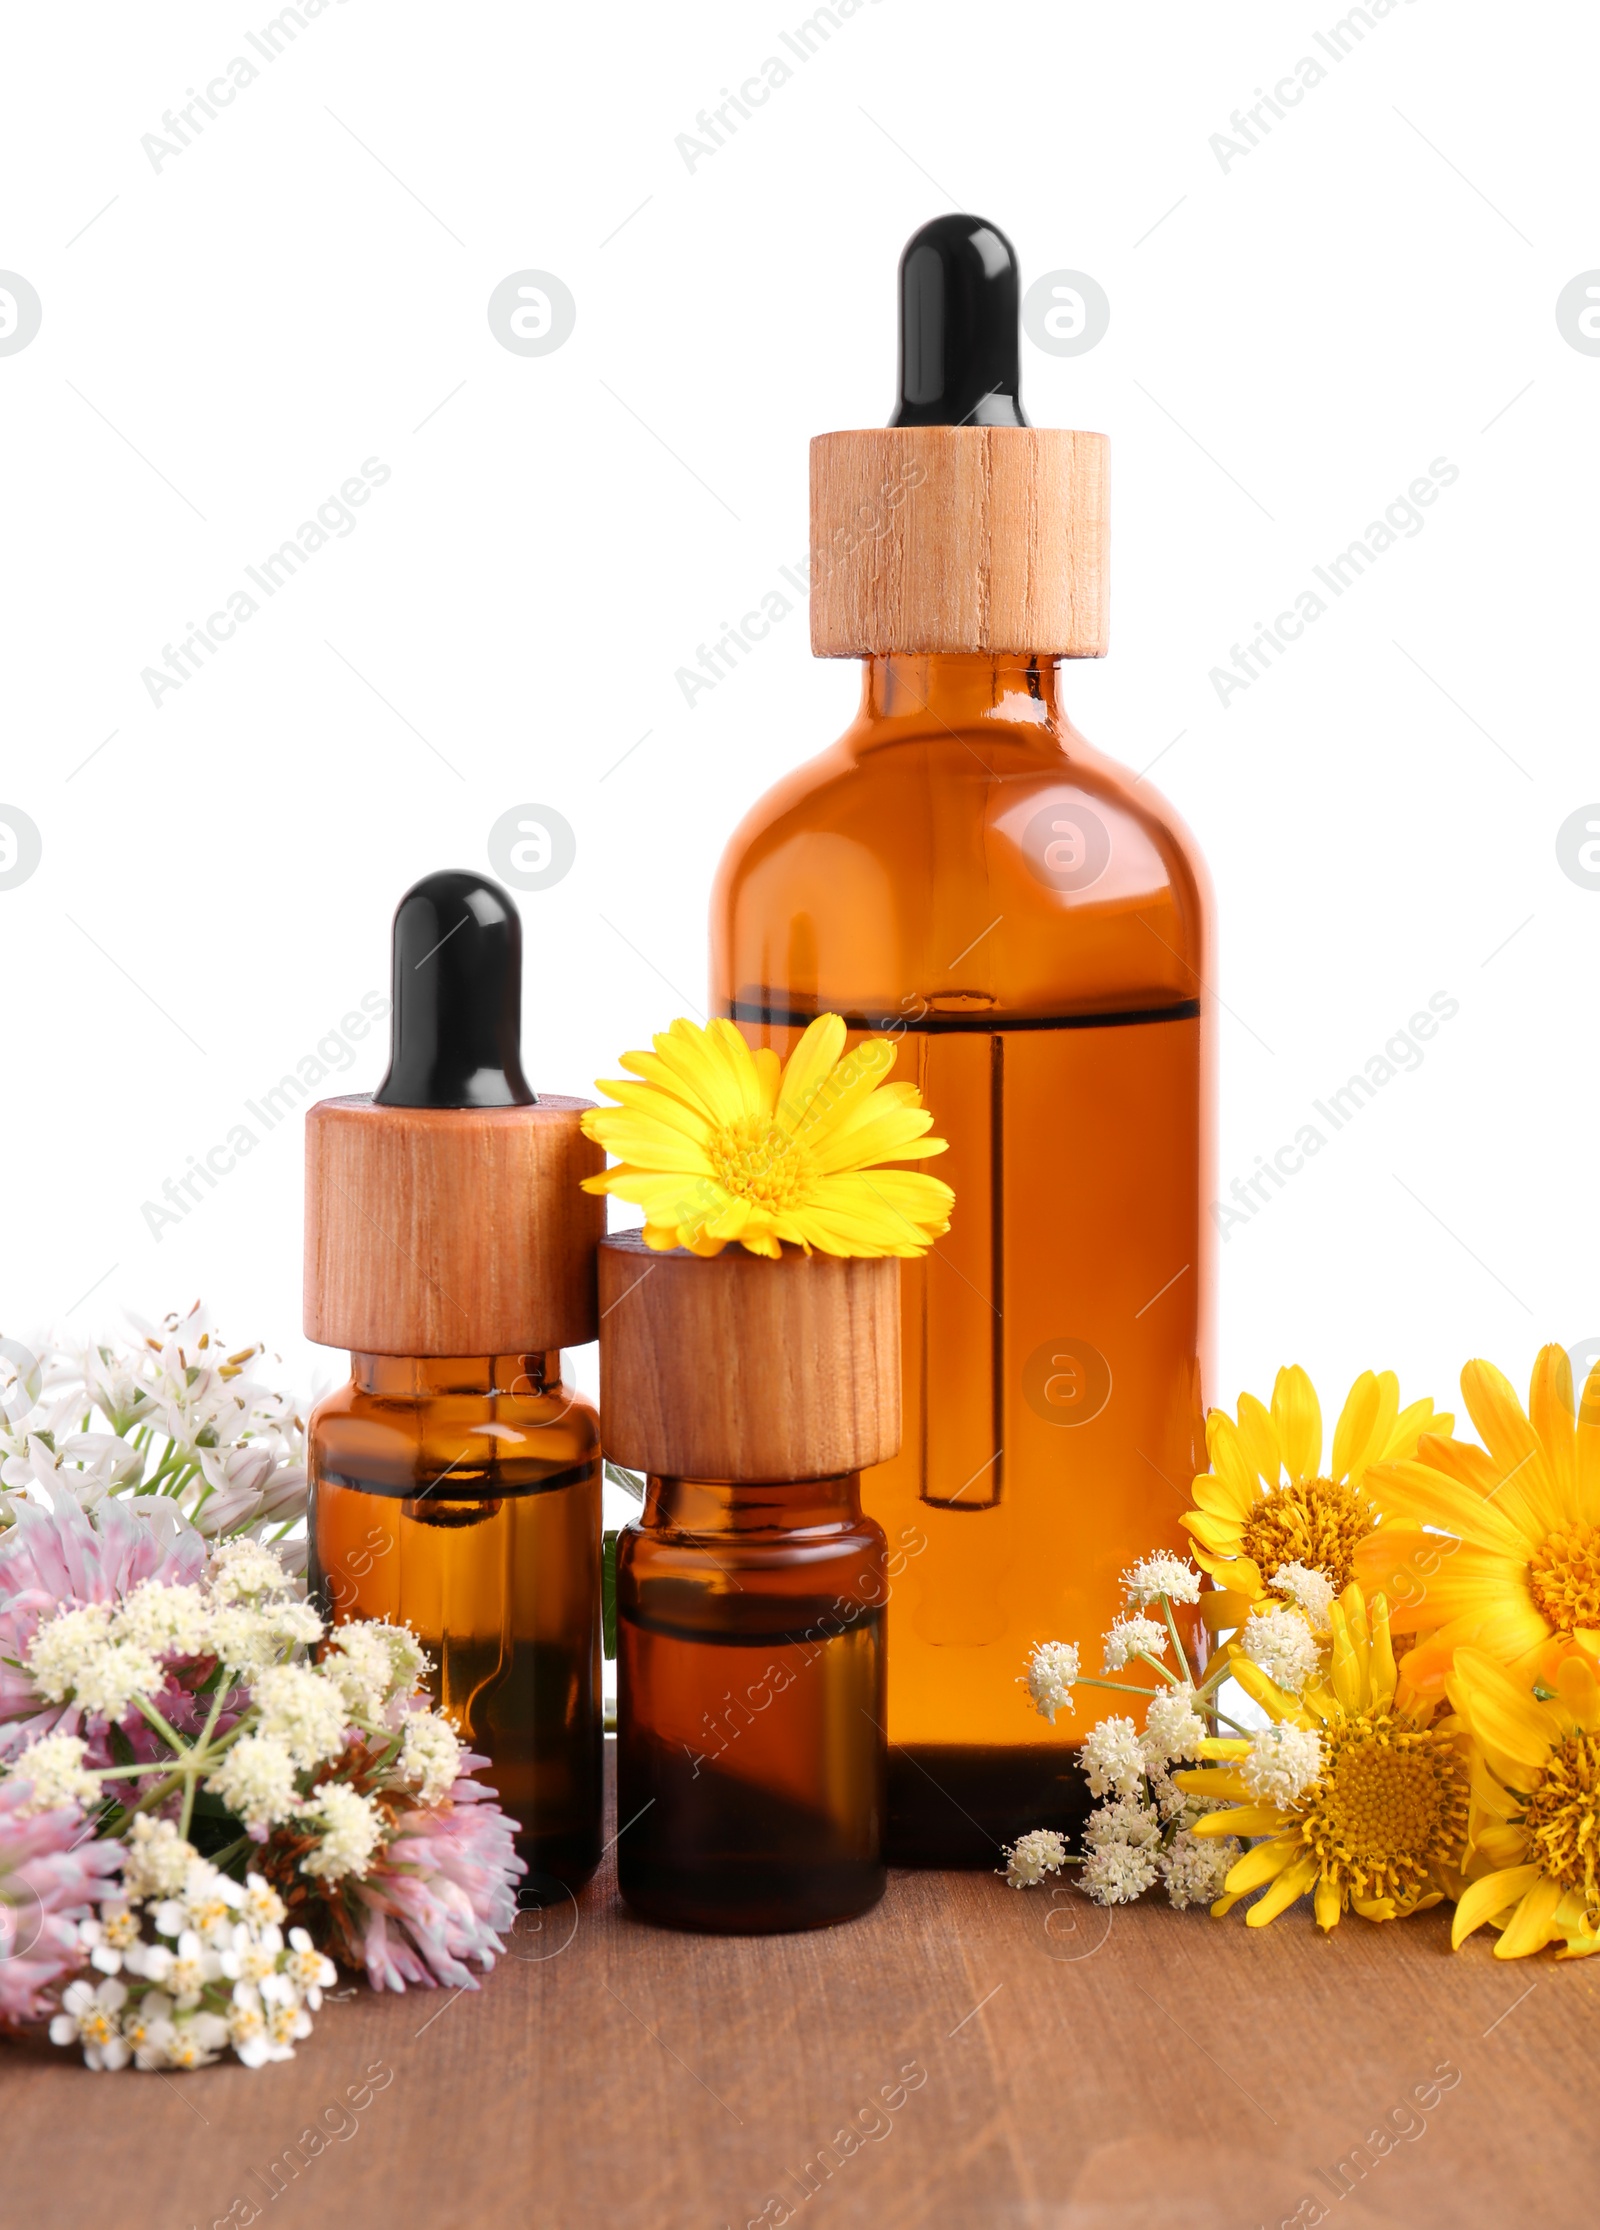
{"type": "Point", "coordinates": [1293, 339]}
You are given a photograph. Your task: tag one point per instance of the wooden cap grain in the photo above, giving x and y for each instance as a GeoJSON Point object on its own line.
{"type": "Point", "coordinates": [734, 1366]}
{"type": "Point", "coordinates": [959, 538]}
{"type": "Point", "coordinates": [450, 1230]}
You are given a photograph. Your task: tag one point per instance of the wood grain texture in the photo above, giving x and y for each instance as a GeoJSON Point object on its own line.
{"type": "Point", "coordinates": [737, 1367]}
{"type": "Point", "coordinates": [450, 1231]}
{"type": "Point", "coordinates": [1137, 2070]}
{"type": "Point", "coordinates": [960, 538]}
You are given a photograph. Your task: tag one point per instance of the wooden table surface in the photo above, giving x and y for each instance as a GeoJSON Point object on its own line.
{"type": "Point", "coordinates": [997, 2058]}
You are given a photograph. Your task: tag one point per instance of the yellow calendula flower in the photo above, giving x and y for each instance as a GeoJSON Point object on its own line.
{"type": "Point", "coordinates": [1498, 1546]}
{"type": "Point", "coordinates": [1535, 1808]}
{"type": "Point", "coordinates": [1360, 1796]}
{"type": "Point", "coordinates": [1267, 1502]}
{"type": "Point", "coordinates": [718, 1143]}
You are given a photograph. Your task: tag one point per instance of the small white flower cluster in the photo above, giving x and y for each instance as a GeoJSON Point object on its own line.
{"type": "Point", "coordinates": [1133, 1637]}
{"type": "Point", "coordinates": [1309, 1588]}
{"type": "Point", "coordinates": [1052, 1670]}
{"type": "Point", "coordinates": [214, 1971]}
{"type": "Point", "coordinates": [1283, 1645]}
{"type": "Point", "coordinates": [1284, 1761]}
{"type": "Point", "coordinates": [1162, 1574]}
{"type": "Point", "coordinates": [290, 1718]}
{"type": "Point", "coordinates": [1141, 1831]}
{"type": "Point", "coordinates": [1041, 1851]}
{"type": "Point", "coordinates": [170, 1414]}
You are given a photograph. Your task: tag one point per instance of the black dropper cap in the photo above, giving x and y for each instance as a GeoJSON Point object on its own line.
{"type": "Point", "coordinates": [959, 300]}
{"type": "Point", "coordinates": [456, 1032]}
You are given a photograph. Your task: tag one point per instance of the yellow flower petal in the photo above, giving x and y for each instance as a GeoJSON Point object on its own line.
{"type": "Point", "coordinates": [1531, 1925]}
{"type": "Point", "coordinates": [1550, 1412]}
{"type": "Point", "coordinates": [1259, 1438]}
{"type": "Point", "coordinates": [1510, 1439]}
{"type": "Point", "coordinates": [1290, 1885]}
{"type": "Point", "coordinates": [1499, 1711]}
{"type": "Point", "coordinates": [1356, 1429]}
{"type": "Point", "coordinates": [1327, 1905]}
{"type": "Point", "coordinates": [808, 1066]}
{"type": "Point", "coordinates": [1297, 1415]}
{"type": "Point", "coordinates": [1487, 1899]}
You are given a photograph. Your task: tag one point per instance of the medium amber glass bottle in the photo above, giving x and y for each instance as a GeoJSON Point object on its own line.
{"type": "Point", "coordinates": [751, 1593]}
{"type": "Point", "coordinates": [455, 1481]}
{"type": "Point", "coordinates": [964, 872]}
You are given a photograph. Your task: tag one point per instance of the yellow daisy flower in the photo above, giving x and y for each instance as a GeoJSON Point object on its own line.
{"type": "Point", "coordinates": [1535, 1806]}
{"type": "Point", "coordinates": [1267, 1502]}
{"type": "Point", "coordinates": [1499, 1545]}
{"type": "Point", "coordinates": [718, 1143]}
{"type": "Point", "coordinates": [1370, 1816]}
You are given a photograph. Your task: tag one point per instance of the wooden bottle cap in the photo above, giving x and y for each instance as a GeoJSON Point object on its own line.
{"type": "Point", "coordinates": [450, 1230]}
{"type": "Point", "coordinates": [959, 538]}
{"type": "Point", "coordinates": [734, 1366]}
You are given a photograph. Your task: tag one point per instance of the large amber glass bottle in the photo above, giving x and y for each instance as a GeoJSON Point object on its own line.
{"type": "Point", "coordinates": [455, 1480]}
{"type": "Point", "coordinates": [964, 872]}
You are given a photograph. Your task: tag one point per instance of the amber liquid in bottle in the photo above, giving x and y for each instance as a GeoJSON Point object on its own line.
{"type": "Point", "coordinates": [462, 1497]}
{"type": "Point", "coordinates": [750, 1705]}
{"type": "Point", "coordinates": [962, 871]}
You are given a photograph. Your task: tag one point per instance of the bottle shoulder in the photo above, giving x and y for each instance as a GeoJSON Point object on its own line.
{"type": "Point", "coordinates": [873, 868]}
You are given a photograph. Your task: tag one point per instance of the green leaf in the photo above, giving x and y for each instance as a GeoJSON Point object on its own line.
{"type": "Point", "coordinates": [608, 1594]}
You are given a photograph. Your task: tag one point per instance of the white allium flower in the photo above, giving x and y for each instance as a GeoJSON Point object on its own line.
{"type": "Point", "coordinates": [372, 1663]}
{"type": "Point", "coordinates": [168, 1620]}
{"type": "Point", "coordinates": [244, 1571]}
{"type": "Point", "coordinates": [1128, 1636]}
{"type": "Point", "coordinates": [89, 2015]}
{"type": "Point", "coordinates": [300, 1709]}
{"type": "Point", "coordinates": [1283, 1645]}
{"type": "Point", "coordinates": [54, 1765]}
{"type": "Point", "coordinates": [256, 1781]}
{"type": "Point", "coordinates": [1162, 1574]}
{"type": "Point", "coordinates": [1113, 1759]}
{"type": "Point", "coordinates": [1052, 1669]}
{"type": "Point", "coordinates": [1172, 1726]}
{"type": "Point", "coordinates": [158, 1859]}
{"type": "Point", "coordinates": [1041, 1851]}
{"type": "Point", "coordinates": [1284, 1761]}
{"type": "Point", "coordinates": [1195, 1868]}
{"type": "Point", "coordinates": [430, 1755]}
{"type": "Point", "coordinates": [352, 1829]}
{"type": "Point", "coordinates": [1308, 1587]}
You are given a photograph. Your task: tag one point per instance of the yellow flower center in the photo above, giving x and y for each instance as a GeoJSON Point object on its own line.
{"type": "Point", "coordinates": [1563, 1818]}
{"type": "Point", "coordinates": [1564, 1575]}
{"type": "Point", "coordinates": [754, 1160]}
{"type": "Point", "coordinates": [1311, 1522]}
{"type": "Point", "coordinates": [1392, 1801]}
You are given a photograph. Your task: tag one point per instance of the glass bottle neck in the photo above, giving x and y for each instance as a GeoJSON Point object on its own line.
{"type": "Point", "coordinates": [702, 1506]}
{"type": "Point", "coordinates": [422, 1377]}
{"type": "Point", "coordinates": [909, 692]}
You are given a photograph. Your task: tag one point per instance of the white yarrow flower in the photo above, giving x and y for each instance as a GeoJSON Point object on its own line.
{"type": "Point", "coordinates": [1113, 1759]}
{"type": "Point", "coordinates": [158, 1859]}
{"type": "Point", "coordinates": [1283, 1645]}
{"type": "Point", "coordinates": [430, 1755]}
{"type": "Point", "coordinates": [300, 1709]}
{"type": "Point", "coordinates": [54, 1765]}
{"type": "Point", "coordinates": [256, 1780]}
{"type": "Point", "coordinates": [89, 2015]}
{"type": "Point", "coordinates": [1308, 1587]}
{"type": "Point", "coordinates": [1284, 1762]}
{"type": "Point", "coordinates": [1041, 1851]}
{"type": "Point", "coordinates": [1162, 1574]}
{"type": "Point", "coordinates": [1128, 1636]}
{"type": "Point", "coordinates": [1052, 1669]}
{"type": "Point", "coordinates": [352, 1829]}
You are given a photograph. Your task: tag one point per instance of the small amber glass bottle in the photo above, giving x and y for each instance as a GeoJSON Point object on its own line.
{"type": "Point", "coordinates": [751, 1753]}
{"type": "Point", "coordinates": [963, 872]}
{"type": "Point", "coordinates": [455, 1481]}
